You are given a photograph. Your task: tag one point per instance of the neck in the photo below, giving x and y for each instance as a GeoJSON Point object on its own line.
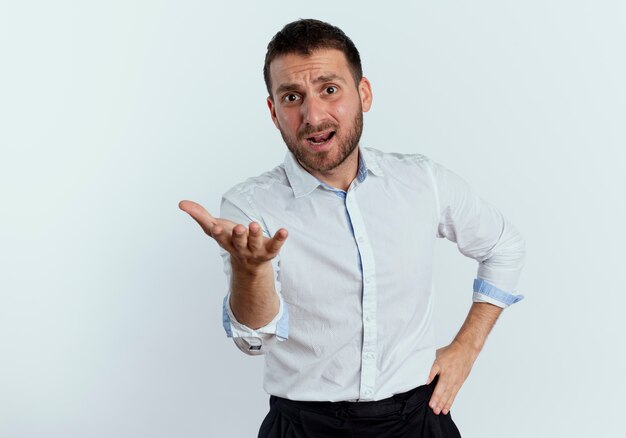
{"type": "Point", "coordinates": [341, 176]}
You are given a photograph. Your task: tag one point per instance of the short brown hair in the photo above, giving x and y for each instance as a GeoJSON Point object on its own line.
{"type": "Point", "coordinates": [305, 36]}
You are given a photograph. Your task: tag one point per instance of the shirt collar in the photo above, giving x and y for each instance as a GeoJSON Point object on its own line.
{"type": "Point", "coordinates": [369, 161]}
{"type": "Point", "coordinates": [303, 183]}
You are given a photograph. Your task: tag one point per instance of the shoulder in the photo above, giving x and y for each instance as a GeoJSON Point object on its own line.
{"type": "Point", "coordinates": [262, 182]}
{"type": "Point", "coordinates": [392, 161]}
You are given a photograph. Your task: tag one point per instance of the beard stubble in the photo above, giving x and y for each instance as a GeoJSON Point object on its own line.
{"type": "Point", "coordinates": [324, 161]}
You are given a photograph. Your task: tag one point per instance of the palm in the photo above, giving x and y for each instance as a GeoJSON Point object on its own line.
{"type": "Point", "coordinates": [249, 245]}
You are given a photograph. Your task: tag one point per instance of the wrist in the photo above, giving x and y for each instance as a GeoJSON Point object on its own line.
{"type": "Point", "coordinates": [473, 348]}
{"type": "Point", "coordinates": [249, 268]}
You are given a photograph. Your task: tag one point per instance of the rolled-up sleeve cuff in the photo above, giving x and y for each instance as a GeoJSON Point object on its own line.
{"type": "Point", "coordinates": [488, 293]}
{"type": "Point", "coordinates": [255, 341]}
{"type": "Point", "coordinates": [277, 326]}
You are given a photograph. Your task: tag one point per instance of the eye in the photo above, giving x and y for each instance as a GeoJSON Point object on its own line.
{"type": "Point", "coordinates": [290, 98]}
{"type": "Point", "coordinates": [331, 89]}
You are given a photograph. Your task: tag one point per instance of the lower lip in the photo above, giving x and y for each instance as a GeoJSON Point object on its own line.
{"type": "Point", "coordinates": [321, 147]}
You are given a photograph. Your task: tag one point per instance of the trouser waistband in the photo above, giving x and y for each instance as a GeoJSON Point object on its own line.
{"type": "Point", "coordinates": [396, 404]}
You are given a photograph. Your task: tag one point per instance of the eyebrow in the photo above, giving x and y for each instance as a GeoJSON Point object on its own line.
{"type": "Point", "coordinates": [320, 79]}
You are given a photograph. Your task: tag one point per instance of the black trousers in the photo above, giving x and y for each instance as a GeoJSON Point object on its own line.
{"type": "Point", "coordinates": [405, 415]}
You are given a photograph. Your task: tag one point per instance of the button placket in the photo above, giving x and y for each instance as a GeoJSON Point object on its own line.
{"type": "Point", "coordinates": [369, 299]}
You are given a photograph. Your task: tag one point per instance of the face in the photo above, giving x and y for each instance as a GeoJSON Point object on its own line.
{"type": "Point", "coordinates": [318, 108]}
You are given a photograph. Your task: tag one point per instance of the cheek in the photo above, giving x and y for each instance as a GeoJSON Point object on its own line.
{"type": "Point", "coordinates": [345, 111]}
{"type": "Point", "coordinates": [286, 119]}
{"type": "Point", "coordinates": [342, 110]}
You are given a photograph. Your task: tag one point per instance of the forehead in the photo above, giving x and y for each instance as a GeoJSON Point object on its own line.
{"type": "Point", "coordinates": [296, 68]}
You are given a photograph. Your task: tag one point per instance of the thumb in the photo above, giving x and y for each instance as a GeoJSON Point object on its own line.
{"type": "Point", "coordinates": [434, 370]}
{"type": "Point", "coordinates": [199, 214]}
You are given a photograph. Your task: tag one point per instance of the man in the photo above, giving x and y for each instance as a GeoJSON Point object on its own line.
{"type": "Point", "coordinates": [342, 309]}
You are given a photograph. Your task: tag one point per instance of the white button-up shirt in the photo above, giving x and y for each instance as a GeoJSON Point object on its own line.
{"type": "Point", "coordinates": [354, 277]}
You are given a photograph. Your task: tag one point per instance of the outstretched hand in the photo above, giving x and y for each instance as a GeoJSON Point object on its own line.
{"type": "Point", "coordinates": [248, 245]}
{"type": "Point", "coordinates": [453, 364]}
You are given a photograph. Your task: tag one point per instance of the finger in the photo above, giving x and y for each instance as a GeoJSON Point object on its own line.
{"type": "Point", "coordinates": [445, 400]}
{"type": "Point", "coordinates": [447, 397]}
{"type": "Point", "coordinates": [448, 404]}
{"type": "Point", "coordinates": [436, 399]}
{"type": "Point", "coordinates": [434, 370]}
{"type": "Point", "coordinates": [199, 214]}
{"type": "Point", "coordinates": [223, 238]}
{"type": "Point", "coordinates": [240, 237]}
{"type": "Point", "coordinates": [276, 242]}
{"type": "Point", "coordinates": [255, 237]}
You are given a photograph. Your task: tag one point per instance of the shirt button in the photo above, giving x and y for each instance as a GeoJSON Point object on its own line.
{"type": "Point", "coordinates": [368, 392]}
{"type": "Point", "coordinates": [361, 239]}
{"type": "Point", "coordinates": [367, 280]}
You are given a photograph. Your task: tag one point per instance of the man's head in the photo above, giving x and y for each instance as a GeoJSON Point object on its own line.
{"type": "Point", "coordinates": [305, 36]}
{"type": "Point", "coordinates": [317, 93]}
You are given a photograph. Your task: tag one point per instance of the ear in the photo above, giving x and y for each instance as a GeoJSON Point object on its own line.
{"type": "Point", "coordinates": [272, 108]}
{"type": "Point", "coordinates": [365, 93]}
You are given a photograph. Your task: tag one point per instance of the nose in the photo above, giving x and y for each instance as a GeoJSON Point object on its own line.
{"type": "Point", "coordinates": [313, 111]}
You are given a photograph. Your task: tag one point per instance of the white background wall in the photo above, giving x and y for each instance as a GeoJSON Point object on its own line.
{"type": "Point", "coordinates": [112, 112]}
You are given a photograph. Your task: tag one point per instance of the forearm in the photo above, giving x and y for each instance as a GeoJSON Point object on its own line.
{"type": "Point", "coordinates": [454, 361]}
{"type": "Point", "coordinates": [477, 326]}
{"type": "Point", "coordinates": [253, 297]}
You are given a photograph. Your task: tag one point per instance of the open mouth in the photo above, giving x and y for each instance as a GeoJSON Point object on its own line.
{"type": "Point", "coordinates": [321, 139]}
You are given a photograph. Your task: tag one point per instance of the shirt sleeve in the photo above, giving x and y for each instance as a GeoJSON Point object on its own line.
{"type": "Point", "coordinates": [260, 340]}
{"type": "Point", "coordinates": [482, 233]}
